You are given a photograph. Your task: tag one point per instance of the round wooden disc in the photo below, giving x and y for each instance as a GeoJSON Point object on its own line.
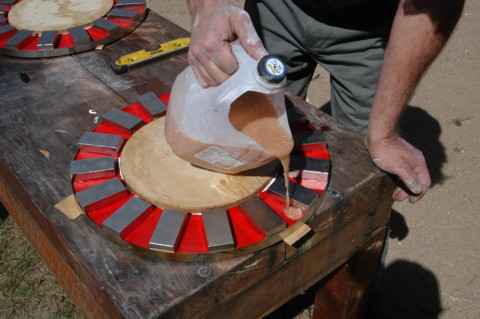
{"type": "Point", "coordinates": [151, 170]}
{"type": "Point", "coordinates": [56, 15]}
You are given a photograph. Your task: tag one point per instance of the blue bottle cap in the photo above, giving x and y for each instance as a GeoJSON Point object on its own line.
{"type": "Point", "coordinates": [271, 69]}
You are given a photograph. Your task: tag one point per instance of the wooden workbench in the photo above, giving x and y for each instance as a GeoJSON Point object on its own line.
{"type": "Point", "coordinates": [44, 108]}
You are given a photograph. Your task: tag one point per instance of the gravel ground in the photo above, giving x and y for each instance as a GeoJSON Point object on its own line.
{"type": "Point", "coordinates": [432, 269]}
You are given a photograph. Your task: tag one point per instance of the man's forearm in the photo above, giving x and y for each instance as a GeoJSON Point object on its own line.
{"type": "Point", "coordinates": [419, 32]}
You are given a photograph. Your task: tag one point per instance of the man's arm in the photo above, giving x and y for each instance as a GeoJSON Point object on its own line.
{"type": "Point", "coordinates": [216, 23]}
{"type": "Point", "coordinates": [420, 30]}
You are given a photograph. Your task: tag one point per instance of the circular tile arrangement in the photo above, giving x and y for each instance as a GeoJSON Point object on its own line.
{"type": "Point", "coordinates": [244, 225]}
{"type": "Point", "coordinates": [39, 28]}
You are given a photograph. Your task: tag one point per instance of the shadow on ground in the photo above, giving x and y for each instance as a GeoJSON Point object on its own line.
{"type": "Point", "coordinates": [405, 289]}
{"type": "Point", "coordinates": [398, 226]}
{"type": "Point", "coordinates": [402, 290]}
{"type": "Point", "coordinates": [3, 213]}
{"type": "Point", "coordinates": [423, 131]}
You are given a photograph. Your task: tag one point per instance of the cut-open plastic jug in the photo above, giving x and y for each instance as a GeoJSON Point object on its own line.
{"type": "Point", "coordinates": [237, 126]}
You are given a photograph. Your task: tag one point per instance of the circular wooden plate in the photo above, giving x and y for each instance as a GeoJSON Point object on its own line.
{"type": "Point", "coordinates": [133, 188]}
{"type": "Point", "coordinates": [151, 170]}
{"type": "Point", "coordinates": [56, 15]}
{"type": "Point", "coordinates": [48, 28]}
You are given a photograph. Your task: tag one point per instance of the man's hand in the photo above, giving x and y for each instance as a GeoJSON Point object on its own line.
{"type": "Point", "coordinates": [396, 156]}
{"type": "Point", "coordinates": [216, 23]}
{"type": "Point", "coordinates": [419, 32]}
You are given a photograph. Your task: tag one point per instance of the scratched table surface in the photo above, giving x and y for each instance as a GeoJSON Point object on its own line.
{"type": "Point", "coordinates": [44, 109]}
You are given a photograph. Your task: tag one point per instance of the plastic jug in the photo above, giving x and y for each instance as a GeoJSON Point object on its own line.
{"type": "Point", "coordinates": [240, 125]}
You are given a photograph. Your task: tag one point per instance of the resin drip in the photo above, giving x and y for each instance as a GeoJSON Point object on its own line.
{"type": "Point", "coordinates": [286, 167]}
{"type": "Point", "coordinates": [254, 115]}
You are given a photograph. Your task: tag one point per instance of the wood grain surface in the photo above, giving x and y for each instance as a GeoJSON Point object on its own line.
{"type": "Point", "coordinates": [151, 170]}
{"type": "Point", "coordinates": [45, 105]}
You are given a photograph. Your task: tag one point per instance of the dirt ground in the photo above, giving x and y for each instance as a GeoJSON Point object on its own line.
{"type": "Point", "coordinates": [433, 264]}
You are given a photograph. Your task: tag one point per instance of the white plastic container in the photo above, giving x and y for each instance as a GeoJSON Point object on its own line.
{"type": "Point", "coordinates": [199, 125]}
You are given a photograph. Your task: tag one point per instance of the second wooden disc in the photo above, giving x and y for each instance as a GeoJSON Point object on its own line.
{"type": "Point", "coordinates": [56, 15]}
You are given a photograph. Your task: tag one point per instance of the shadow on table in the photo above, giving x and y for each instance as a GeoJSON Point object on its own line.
{"type": "Point", "coordinates": [405, 289]}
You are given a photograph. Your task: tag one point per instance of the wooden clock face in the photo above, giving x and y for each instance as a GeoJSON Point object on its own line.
{"type": "Point", "coordinates": [132, 186]}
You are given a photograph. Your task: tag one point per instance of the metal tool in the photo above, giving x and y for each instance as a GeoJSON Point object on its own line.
{"type": "Point", "coordinates": [100, 192]}
{"type": "Point", "coordinates": [152, 103]}
{"type": "Point", "coordinates": [100, 143]}
{"type": "Point", "coordinates": [6, 28]}
{"type": "Point", "coordinates": [296, 192]}
{"type": "Point", "coordinates": [120, 13]}
{"type": "Point", "coordinates": [168, 230]}
{"type": "Point", "coordinates": [125, 215]}
{"type": "Point", "coordinates": [123, 63]}
{"type": "Point", "coordinates": [263, 216]}
{"type": "Point", "coordinates": [122, 119]}
{"type": "Point", "coordinates": [18, 38]}
{"type": "Point", "coordinates": [48, 39]}
{"type": "Point", "coordinates": [121, 3]}
{"type": "Point", "coordinates": [217, 227]}
{"type": "Point", "coordinates": [80, 36]}
{"type": "Point", "coordinates": [105, 25]}
{"type": "Point", "coordinates": [300, 163]}
{"type": "Point", "coordinates": [93, 168]}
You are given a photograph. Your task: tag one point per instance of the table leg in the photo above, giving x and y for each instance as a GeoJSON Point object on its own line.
{"type": "Point", "coordinates": [342, 296]}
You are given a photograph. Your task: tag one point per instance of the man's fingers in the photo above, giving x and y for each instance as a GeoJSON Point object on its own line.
{"type": "Point", "coordinates": [202, 76]}
{"type": "Point", "coordinates": [399, 195]}
{"type": "Point", "coordinates": [199, 77]}
{"type": "Point", "coordinates": [248, 37]}
{"type": "Point", "coordinates": [224, 58]}
{"type": "Point", "coordinates": [215, 73]}
{"type": "Point", "coordinates": [396, 156]}
{"type": "Point", "coordinates": [421, 169]}
{"type": "Point", "coordinates": [205, 76]}
{"type": "Point", "coordinates": [408, 177]}
{"type": "Point", "coordinates": [415, 198]}
{"type": "Point", "coordinates": [215, 61]}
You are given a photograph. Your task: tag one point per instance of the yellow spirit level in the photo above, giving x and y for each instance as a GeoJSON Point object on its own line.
{"type": "Point", "coordinates": [123, 63]}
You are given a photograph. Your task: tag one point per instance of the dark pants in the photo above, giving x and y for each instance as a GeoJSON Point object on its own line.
{"type": "Point", "coordinates": [349, 42]}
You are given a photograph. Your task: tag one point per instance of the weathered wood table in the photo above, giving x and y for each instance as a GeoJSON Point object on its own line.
{"type": "Point", "coordinates": [44, 108]}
